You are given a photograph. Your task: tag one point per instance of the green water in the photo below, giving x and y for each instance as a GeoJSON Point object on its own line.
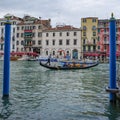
{"type": "Point", "coordinates": [37, 93]}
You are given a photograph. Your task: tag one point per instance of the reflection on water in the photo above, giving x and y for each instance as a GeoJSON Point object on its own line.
{"type": "Point", "coordinates": [5, 108]}
{"type": "Point", "coordinates": [37, 93]}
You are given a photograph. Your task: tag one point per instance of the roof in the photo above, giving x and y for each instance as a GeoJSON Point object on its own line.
{"type": "Point", "coordinates": [37, 21]}
{"type": "Point", "coordinates": [62, 28]}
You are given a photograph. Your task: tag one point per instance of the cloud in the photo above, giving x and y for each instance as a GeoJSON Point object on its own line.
{"type": "Point", "coordinates": [61, 11]}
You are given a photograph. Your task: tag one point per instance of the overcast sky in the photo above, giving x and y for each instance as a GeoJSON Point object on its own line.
{"type": "Point", "coordinates": [67, 12]}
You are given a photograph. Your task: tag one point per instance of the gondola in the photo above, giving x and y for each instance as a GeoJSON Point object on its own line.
{"type": "Point", "coordinates": [70, 66]}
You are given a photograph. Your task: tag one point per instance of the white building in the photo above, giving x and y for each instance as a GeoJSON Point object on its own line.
{"type": "Point", "coordinates": [26, 33]}
{"type": "Point", "coordinates": [30, 34]}
{"type": "Point", "coordinates": [14, 21]}
{"type": "Point", "coordinates": [61, 41]}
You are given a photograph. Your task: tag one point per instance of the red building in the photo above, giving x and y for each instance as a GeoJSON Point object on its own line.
{"type": "Point", "coordinates": [103, 38]}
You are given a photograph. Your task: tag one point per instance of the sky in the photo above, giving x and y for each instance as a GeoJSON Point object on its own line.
{"type": "Point", "coordinates": [67, 12]}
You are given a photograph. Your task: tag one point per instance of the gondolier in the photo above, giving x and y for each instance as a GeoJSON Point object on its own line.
{"type": "Point", "coordinates": [48, 62]}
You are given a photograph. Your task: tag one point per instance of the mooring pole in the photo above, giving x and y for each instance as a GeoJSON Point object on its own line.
{"type": "Point", "coordinates": [112, 82]}
{"type": "Point", "coordinates": [6, 68]}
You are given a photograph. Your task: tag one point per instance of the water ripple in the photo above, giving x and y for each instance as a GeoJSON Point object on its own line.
{"type": "Point", "coordinates": [41, 94]}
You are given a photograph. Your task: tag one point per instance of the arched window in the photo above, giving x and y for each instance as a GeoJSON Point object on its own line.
{"type": "Point", "coordinates": [84, 28]}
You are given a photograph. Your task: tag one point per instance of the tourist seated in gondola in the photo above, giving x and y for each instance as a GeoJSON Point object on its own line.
{"type": "Point", "coordinates": [65, 64]}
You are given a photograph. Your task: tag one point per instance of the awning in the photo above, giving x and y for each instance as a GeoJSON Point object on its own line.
{"type": "Point", "coordinates": [117, 54]}
{"type": "Point", "coordinates": [24, 53]}
{"type": "Point", "coordinates": [32, 53]}
{"type": "Point", "coordinates": [91, 54]}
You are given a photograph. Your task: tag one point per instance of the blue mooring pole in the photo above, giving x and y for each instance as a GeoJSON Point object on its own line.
{"type": "Point", "coordinates": [112, 82]}
{"type": "Point", "coordinates": [6, 74]}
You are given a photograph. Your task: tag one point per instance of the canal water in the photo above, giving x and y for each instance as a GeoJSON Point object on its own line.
{"type": "Point", "coordinates": [37, 93]}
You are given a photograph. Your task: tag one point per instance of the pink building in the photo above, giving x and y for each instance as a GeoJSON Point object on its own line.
{"type": "Point", "coordinates": [103, 37]}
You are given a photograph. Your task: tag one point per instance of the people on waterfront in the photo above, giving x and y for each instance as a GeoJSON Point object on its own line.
{"type": "Point", "coordinates": [48, 61]}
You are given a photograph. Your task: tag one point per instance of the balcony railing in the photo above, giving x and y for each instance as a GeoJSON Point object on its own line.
{"type": "Point", "coordinates": [89, 43]}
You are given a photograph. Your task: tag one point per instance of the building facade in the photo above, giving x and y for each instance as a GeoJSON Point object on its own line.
{"type": "Point", "coordinates": [62, 41]}
{"type": "Point", "coordinates": [29, 34]}
{"type": "Point", "coordinates": [103, 37]}
{"type": "Point", "coordinates": [89, 35]}
{"type": "Point", "coordinates": [14, 21]}
{"type": "Point", "coordinates": [26, 33]}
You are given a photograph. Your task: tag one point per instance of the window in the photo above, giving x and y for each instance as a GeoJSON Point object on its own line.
{"type": "Point", "coordinates": [94, 28]}
{"type": "Point", "coordinates": [84, 41]}
{"type": "Point", "coordinates": [67, 33]}
{"type": "Point", "coordinates": [89, 48]}
{"type": "Point", "coordinates": [98, 47]}
{"type": "Point", "coordinates": [39, 34]}
{"type": "Point", "coordinates": [94, 48]}
{"type": "Point", "coordinates": [84, 48]}
{"type": "Point", "coordinates": [13, 38]}
{"type": "Point", "coordinates": [105, 39]}
{"type": "Point", "coordinates": [21, 49]}
{"type": "Point", "coordinates": [94, 20]}
{"type": "Point", "coordinates": [75, 42]}
{"type": "Point", "coordinates": [33, 42]}
{"type": "Point", "coordinates": [94, 33]}
{"type": "Point", "coordinates": [84, 33]}
{"type": "Point", "coordinates": [14, 23]}
{"type": "Point", "coordinates": [75, 33]}
{"type": "Point", "coordinates": [13, 30]}
{"type": "Point", "coordinates": [47, 34]}
{"type": "Point", "coordinates": [39, 42]}
{"type": "Point", "coordinates": [17, 49]}
{"type": "Point", "coordinates": [116, 38]}
{"type": "Point", "coordinates": [2, 30]}
{"type": "Point", "coordinates": [33, 34]}
{"type": "Point", "coordinates": [98, 30]}
{"type": "Point", "coordinates": [98, 38]}
{"type": "Point", "coordinates": [34, 27]}
{"type": "Point", "coordinates": [67, 52]}
{"type": "Point", "coordinates": [22, 34]}
{"type": "Point", "coordinates": [2, 23]}
{"type": "Point", "coordinates": [46, 52]}
{"type": "Point", "coordinates": [2, 46]}
{"type": "Point", "coordinates": [84, 27]}
{"type": "Point", "coordinates": [13, 46]}
{"type": "Point", "coordinates": [22, 43]}
{"type": "Point", "coordinates": [53, 34]}
{"type": "Point", "coordinates": [67, 42]}
{"type": "Point", "coordinates": [53, 52]}
{"type": "Point", "coordinates": [39, 27]}
{"type": "Point", "coordinates": [60, 33]}
{"type": "Point", "coordinates": [47, 42]}
{"type": "Point", "coordinates": [53, 42]}
{"type": "Point", "coordinates": [17, 28]}
{"type": "Point", "coordinates": [94, 41]}
{"type": "Point", "coordinates": [60, 42]}
{"type": "Point", "coordinates": [17, 35]}
{"type": "Point", "coordinates": [22, 28]}
{"type": "Point", "coordinates": [84, 20]}
{"type": "Point", "coordinates": [17, 42]}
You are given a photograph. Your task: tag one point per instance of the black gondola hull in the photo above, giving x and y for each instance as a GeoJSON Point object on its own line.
{"type": "Point", "coordinates": [82, 66]}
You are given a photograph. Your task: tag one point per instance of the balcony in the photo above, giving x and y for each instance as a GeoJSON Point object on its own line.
{"type": "Point", "coordinates": [28, 45]}
{"type": "Point", "coordinates": [89, 43]}
{"type": "Point", "coordinates": [118, 42]}
{"type": "Point", "coordinates": [106, 42]}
